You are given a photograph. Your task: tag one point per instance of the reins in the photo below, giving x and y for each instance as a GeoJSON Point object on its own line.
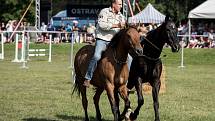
{"type": "Point", "coordinates": [151, 44]}
{"type": "Point", "coordinates": [155, 48]}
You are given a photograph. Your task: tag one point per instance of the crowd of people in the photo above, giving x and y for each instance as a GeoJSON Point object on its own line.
{"type": "Point", "coordinates": [62, 33]}
{"type": "Point", "coordinates": [202, 34]}
{"type": "Point", "coordinates": [67, 32]}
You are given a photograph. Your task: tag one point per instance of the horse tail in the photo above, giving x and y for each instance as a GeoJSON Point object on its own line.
{"type": "Point", "coordinates": [76, 79]}
{"type": "Point", "coordinates": [76, 86]}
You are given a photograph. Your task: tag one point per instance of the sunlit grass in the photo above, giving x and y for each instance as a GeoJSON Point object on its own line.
{"type": "Point", "coordinates": [43, 92]}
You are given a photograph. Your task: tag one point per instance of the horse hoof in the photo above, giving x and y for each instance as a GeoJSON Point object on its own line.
{"type": "Point", "coordinates": [133, 116]}
{"type": "Point", "coordinates": [127, 115]}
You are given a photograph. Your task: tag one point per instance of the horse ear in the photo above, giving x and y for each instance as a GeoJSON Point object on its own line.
{"type": "Point", "coordinates": [167, 17]}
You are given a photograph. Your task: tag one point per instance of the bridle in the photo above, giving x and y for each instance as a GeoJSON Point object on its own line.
{"type": "Point", "coordinates": [118, 61]}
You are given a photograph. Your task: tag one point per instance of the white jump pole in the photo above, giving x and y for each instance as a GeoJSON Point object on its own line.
{"type": "Point", "coordinates": [23, 48]}
{"type": "Point", "coordinates": [2, 46]}
{"type": "Point", "coordinates": [27, 46]}
{"type": "Point", "coordinates": [182, 56]}
{"type": "Point", "coordinates": [50, 48]}
{"type": "Point", "coordinates": [16, 49]}
{"type": "Point", "coordinates": [71, 52]}
{"type": "Point", "coordinates": [23, 60]}
{"type": "Point", "coordinates": [71, 59]}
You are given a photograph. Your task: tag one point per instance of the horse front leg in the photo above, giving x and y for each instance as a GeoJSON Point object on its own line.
{"type": "Point", "coordinates": [96, 103]}
{"type": "Point", "coordinates": [112, 100]}
{"type": "Point", "coordinates": [124, 95]}
{"type": "Point", "coordinates": [155, 92]}
{"type": "Point", "coordinates": [138, 87]}
{"type": "Point", "coordinates": [84, 101]}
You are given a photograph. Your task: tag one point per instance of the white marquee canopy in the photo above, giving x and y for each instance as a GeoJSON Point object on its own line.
{"type": "Point", "coordinates": [204, 11]}
{"type": "Point", "coordinates": [148, 15]}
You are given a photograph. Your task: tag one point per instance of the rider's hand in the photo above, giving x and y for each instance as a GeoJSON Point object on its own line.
{"type": "Point", "coordinates": [122, 25]}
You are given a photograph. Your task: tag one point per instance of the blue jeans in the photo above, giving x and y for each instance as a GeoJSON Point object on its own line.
{"type": "Point", "coordinates": [100, 47]}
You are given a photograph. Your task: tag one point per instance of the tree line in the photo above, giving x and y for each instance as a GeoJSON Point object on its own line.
{"type": "Point", "coordinates": [14, 9]}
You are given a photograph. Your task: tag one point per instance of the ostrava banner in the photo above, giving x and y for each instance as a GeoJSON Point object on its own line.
{"type": "Point", "coordinates": [84, 10]}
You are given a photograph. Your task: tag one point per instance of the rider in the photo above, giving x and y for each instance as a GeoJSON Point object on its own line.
{"type": "Point", "coordinates": [110, 20]}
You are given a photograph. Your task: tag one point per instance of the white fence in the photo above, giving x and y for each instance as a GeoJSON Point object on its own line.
{"type": "Point", "coordinates": [23, 52]}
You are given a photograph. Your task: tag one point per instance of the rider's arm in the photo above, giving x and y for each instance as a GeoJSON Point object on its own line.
{"type": "Point", "coordinates": [106, 21]}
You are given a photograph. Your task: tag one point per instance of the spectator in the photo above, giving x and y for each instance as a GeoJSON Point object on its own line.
{"type": "Point", "coordinates": [51, 28]}
{"type": "Point", "coordinates": [3, 27]}
{"type": "Point", "coordinates": [83, 33]}
{"type": "Point", "coordinates": [44, 34]}
{"type": "Point", "coordinates": [75, 30]}
{"type": "Point", "coordinates": [210, 37]}
{"type": "Point", "coordinates": [9, 28]}
{"type": "Point", "coordinates": [63, 29]}
{"type": "Point", "coordinates": [142, 30]}
{"type": "Point", "coordinates": [68, 30]}
{"type": "Point", "coordinates": [91, 33]}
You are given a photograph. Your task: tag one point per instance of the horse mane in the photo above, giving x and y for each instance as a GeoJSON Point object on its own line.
{"type": "Point", "coordinates": [115, 40]}
{"type": "Point", "coordinates": [151, 33]}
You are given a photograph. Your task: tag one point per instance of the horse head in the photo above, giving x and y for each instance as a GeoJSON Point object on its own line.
{"type": "Point", "coordinates": [129, 38]}
{"type": "Point", "coordinates": [171, 34]}
{"type": "Point", "coordinates": [133, 43]}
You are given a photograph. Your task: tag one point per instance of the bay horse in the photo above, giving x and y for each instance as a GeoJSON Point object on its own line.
{"type": "Point", "coordinates": [111, 73]}
{"type": "Point", "coordinates": [148, 68]}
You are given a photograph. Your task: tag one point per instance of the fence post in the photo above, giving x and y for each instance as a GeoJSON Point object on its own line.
{"type": "Point", "coordinates": [23, 47]}
{"type": "Point", "coordinates": [71, 51]}
{"type": "Point", "coordinates": [2, 46]}
{"type": "Point", "coordinates": [23, 58]}
{"type": "Point", "coordinates": [16, 49]}
{"type": "Point", "coordinates": [50, 48]}
{"type": "Point", "coordinates": [182, 55]}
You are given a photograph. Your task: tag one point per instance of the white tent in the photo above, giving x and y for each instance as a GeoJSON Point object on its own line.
{"type": "Point", "coordinates": [62, 13]}
{"type": "Point", "coordinates": [203, 11]}
{"type": "Point", "coordinates": [148, 15]}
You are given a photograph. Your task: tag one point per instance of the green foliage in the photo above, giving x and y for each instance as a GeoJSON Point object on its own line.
{"type": "Point", "coordinates": [14, 9]}
{"type": "Point", "coordinates": [178, 9]}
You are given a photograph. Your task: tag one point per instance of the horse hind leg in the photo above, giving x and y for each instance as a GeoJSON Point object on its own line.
{"type": "Point", "coordinates": [84, 101]}
{"type": "Point", "coordinates": [96, 103]}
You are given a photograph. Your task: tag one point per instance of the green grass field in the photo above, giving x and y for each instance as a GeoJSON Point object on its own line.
{"type": "Point", "coordinates": [43, 92]}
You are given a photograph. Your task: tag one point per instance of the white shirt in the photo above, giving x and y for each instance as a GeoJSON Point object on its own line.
{"type": "Point", "coordinates": [106, 19]}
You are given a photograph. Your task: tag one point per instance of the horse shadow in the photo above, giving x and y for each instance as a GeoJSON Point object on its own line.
{"type": "Point", "coordinates": [75, 118]}
{"type": "Point", "coordinates": [38, 119]}
{"type": "Point", "coordinates": [64, 118]}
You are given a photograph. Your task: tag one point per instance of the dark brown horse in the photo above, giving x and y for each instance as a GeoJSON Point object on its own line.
{"type": "Point", "coordinates": [148, 68]}
{"type": "Point", "coordinates": [111, 73]}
